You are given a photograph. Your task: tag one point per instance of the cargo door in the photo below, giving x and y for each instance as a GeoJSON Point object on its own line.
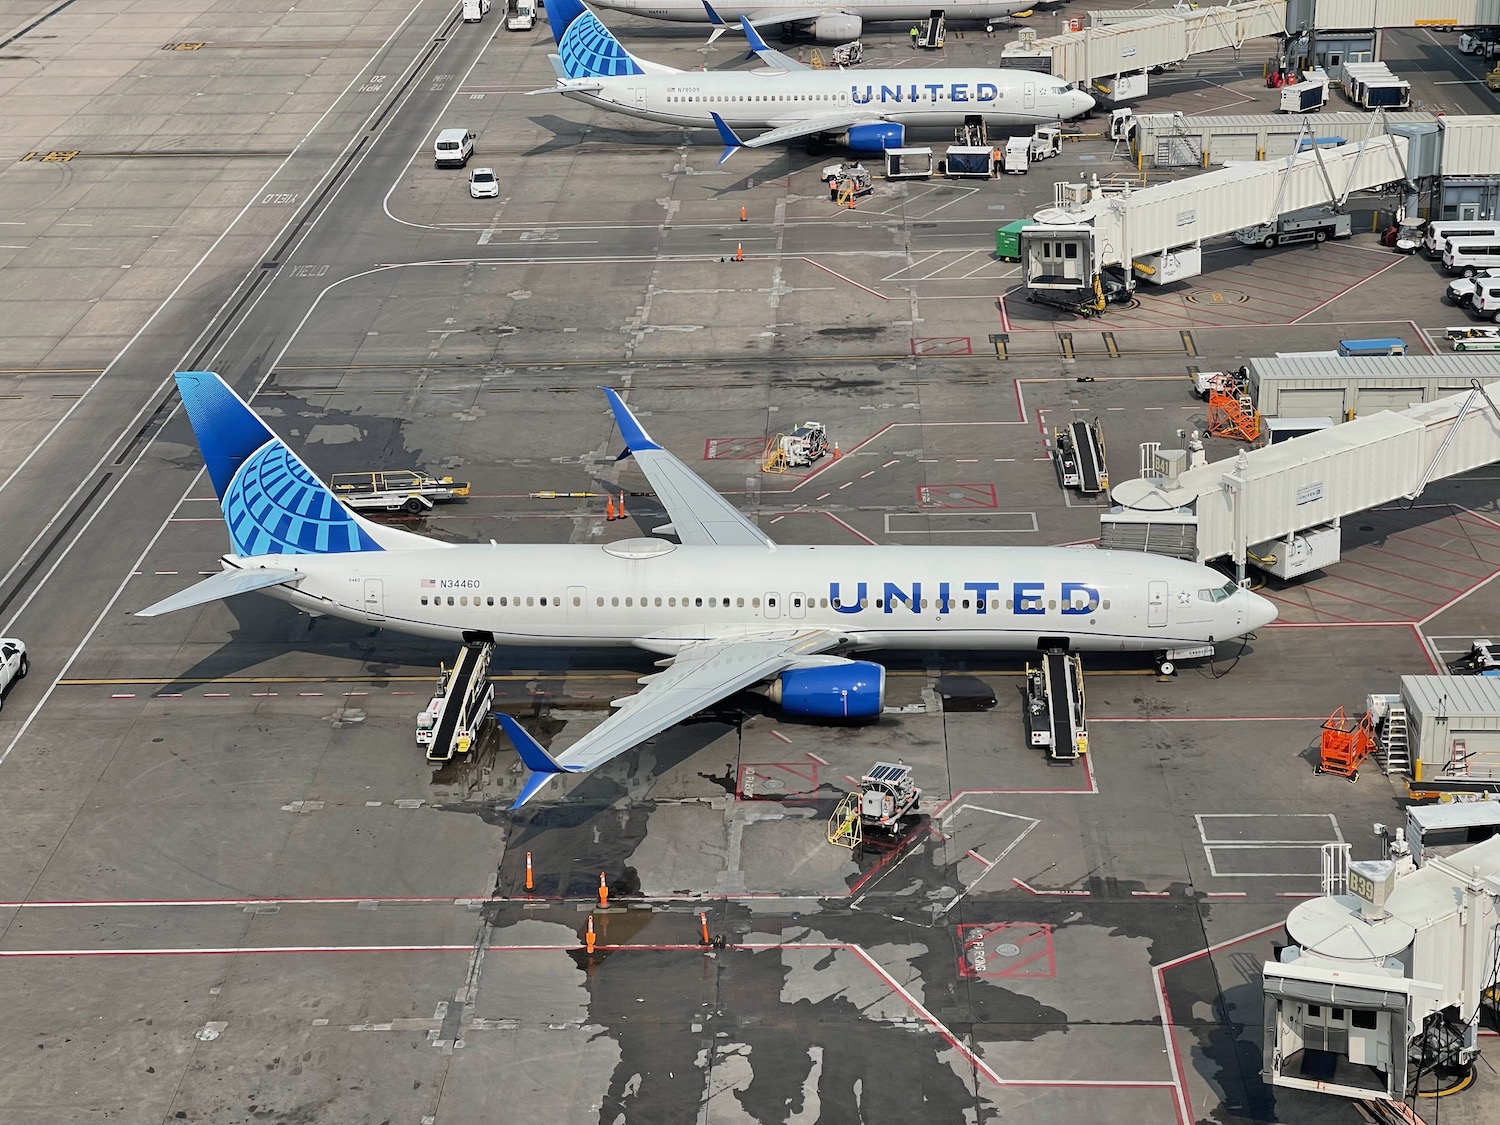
{"type": "Point", "coordinates": [375, 598]}
{"type": "Point", "coordinates": [1372, 400]}
{"type": "Point", "coordinates": [578, 601]}
{"type": "Point", "coordinates": [798, 604]}
{"type": "Point", "coordinates": [1311, 403]}
{"type": "Point", "coordinates": [640, 97]}
{"type": "Point", "coordinates": [773, 605]}
{"type": "Point", "coordinates": [1233, 146]}
{"type": "Point", "coordinates": [1156, 605]}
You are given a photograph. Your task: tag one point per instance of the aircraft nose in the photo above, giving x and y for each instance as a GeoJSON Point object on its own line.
{"type": "Point", "coordinates": [1258, 612]}
{"type": "Point", "coordinates": [1076, 103]}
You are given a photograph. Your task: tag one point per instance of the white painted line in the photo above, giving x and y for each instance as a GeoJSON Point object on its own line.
{"type": "Point", "coordinates": [814, 757]}
{"type": "Point", "coordinates": [825, 496]}
{"type": "Point", "coordinates": [1151, 894]}
{"type": "Point", "coordinates": [123, 695]}
{"type": "Point", "coordinates": [1227, 894]}
{"type": "Point", "coordinates": [892, 461]}
{"type": "Point", "coordinates": [977, 858]}
{"type": "Point", "coordinates": [784, 738]}
{"type": "Point", "coordinates": [215, 695]}
{"type": "Point", "coordinates": [845, 485]}
{"type": "Point", "coordinates": [871, 473]}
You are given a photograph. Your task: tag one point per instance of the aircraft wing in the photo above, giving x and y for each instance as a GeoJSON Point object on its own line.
{"type": "Point", "coordinates": [823, 123]}
{"type": "Point", "coordinates": [699, 676]}
{"type": "Point", "coordinates": [699, 515]}
{"type": "Point", "coordinates": [790, 15]}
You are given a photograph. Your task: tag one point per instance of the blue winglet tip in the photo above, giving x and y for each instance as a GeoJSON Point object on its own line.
{"type": "Point", "coordinates": [636, 438]}
{"type": "Point", "coordinates": [727, 135]}
{"type": "Point", "coordinates": [713, 16]}
{"type": "Point", "coordinates": [752, 36]}
{"type": "Point", "coordinates": [531, 751]}
{"type": "Point", "coordinates": [535, 783]}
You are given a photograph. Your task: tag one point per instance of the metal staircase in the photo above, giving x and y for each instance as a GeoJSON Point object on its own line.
{"type": "Point", "coordinates": [1395, 746]}
{"type": "Point", "coordinates": [1233, 416]}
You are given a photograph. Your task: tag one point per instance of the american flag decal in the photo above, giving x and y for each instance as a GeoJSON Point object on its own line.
{"type": "Point", "coordinates": [429, 584]}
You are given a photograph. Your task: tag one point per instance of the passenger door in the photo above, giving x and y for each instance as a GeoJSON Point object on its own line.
{"type": "Point", "coordinates": [375, 598]}
{"type": "Point", "coordinates": [578, 601]}
{"type": "Point", "coordinates": [798, 607]}
{"type": "Point", "coordinates": [1030, 96]}
{"type": "Point", "coordinates": [772, 606]}
{"type": "Point", "coordinates": [1156, 605]}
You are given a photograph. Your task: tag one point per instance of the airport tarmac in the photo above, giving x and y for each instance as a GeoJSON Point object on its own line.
{"type": "Point", "coordinates": [233, 889]}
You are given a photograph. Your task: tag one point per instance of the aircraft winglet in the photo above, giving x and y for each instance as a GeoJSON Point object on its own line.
{"type": "Point", "coordinates": [637, 440]}
{"type": "Point", "coordinates": [542, 765]}
{"type": "Point", "coordinates": [768, 55]}
{"type": "Point", "coordinates": [731, 141]}
{"type": "Point", "coordinates": [719, 26]}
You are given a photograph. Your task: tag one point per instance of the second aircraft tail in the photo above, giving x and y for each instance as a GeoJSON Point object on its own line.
{"type": "Point", "coordinates": [588, 49]}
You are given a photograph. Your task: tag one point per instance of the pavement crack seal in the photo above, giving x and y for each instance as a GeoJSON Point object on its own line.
{"type": "Point", "coordinates": [460, 1014]}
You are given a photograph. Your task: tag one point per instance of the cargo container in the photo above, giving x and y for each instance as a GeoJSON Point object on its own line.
{"type": "Point", "coordinates": [1008, 240]}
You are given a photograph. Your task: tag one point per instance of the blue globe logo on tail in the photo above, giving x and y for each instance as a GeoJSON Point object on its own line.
{"type": "Point", "coordinates": [585, 46]}
{"type": "Point", "coordinates": [274, 506]}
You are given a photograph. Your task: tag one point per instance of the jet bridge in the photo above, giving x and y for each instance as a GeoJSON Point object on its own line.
{"type": "Point", "coordinates": [1279, 507]}
{"type": "Point", "coordinates": [1124, 44]}
{"type": "Point", "coordinates": [1157, 232]}
{"type": "Point", "coordinates": [1383, 978]}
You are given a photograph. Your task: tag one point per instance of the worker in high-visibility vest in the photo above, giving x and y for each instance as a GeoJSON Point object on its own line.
{"type": "Point", "coordinates": [914, 33]}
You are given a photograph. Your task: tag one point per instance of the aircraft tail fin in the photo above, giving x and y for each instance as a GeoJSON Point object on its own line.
{"type": "Point", "coordinates": [585, 47]}
{"type": "Point", "coordinates": [543, 766]}
{"type": "Point", "coordinates": [272, 502]}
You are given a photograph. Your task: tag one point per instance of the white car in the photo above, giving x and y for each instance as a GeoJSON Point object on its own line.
{"type": "Point", "coordinates": [1461, 292]}
{"type": "Point", "coordinates": [14, 664]}
{"type": "Point", "coordinates": [482, 183]}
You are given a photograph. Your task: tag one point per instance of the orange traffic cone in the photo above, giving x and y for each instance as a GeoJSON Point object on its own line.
{"type": "Point", "coordinates": [609, 510]}
{"type": "Point", "coordinates": [739, 251]}
{"type": "Point", "coordinates": [622, 506]}
{"type": "Point", "coordinates": [588, 938]}
{"type": "Point", "coordinates": [603, 892]}
{"type": "Point", "coordinates": [528, 872]}
{"type": "Point", "coordinates": [703, 922]}
{"type": "Point", "coordinates": [743, 216]}
{"type": "Point", "coordinates": [836, 453]}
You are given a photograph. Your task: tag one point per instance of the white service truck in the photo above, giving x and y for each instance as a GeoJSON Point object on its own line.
{"type": "Point", "coordinates": [522, 15]}
{"type": "Point", "coordinates": [474, 10]}
{"type": "Point", "coordinates": [1315, 225]}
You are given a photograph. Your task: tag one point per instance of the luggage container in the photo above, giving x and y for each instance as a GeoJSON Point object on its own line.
{"type": "Point", "coordinates": [908, 163]}
{"type": "Point", "coordinates": [1017, 159]}
{"type": "Point", "coordinates": [1307, 96]}
{"type": "Point", "coordinates": [969, 162]}
{"type": "Point", "coordinates": [1008, 240]}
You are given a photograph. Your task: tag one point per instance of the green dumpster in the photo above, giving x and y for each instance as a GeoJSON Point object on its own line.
{"type": "Point", "coordinates": [1008, 240]}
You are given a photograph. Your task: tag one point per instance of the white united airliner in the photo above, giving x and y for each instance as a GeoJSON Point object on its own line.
{"type": "Point", "coordinates": [835, 22]}
{"type": "Point", "coordinates": [869, 110]}
{"type": "Point", "coordinates": [726, 607]}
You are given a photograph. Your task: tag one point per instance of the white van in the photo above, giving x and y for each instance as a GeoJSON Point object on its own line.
{"type": "Point", "coordinates": [475, 10]}
{"type": "Point", "coordinates": [1437, 234]}
{"type": "Point", "coordinates": [1486, 302]}
{"type": "Point", "coordinates": [453, 148]}
{"type": "Point", "coordinates": [1470, 255]}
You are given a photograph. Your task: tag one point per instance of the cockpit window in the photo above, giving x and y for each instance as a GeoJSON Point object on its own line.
{"type": "Point", "coordinates": [1219, 593]}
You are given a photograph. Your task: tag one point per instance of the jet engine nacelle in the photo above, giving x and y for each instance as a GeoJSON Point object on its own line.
{"type": "Point", "coordinates": [876, 138]}
{"type": "Point", "coordinates": [838, 689]}
{"type": "Point", "coordinates": [836, 27]}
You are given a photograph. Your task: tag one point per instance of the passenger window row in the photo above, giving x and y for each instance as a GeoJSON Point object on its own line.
{"type": "Point", "coordinates": [1028, 604]}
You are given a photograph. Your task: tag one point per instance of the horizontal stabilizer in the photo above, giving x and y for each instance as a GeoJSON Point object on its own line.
{"type": "Point", "coordinates": [225, 584]}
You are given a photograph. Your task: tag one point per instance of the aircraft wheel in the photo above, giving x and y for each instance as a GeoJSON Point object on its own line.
{"type": "Point", "coordinates": [1166, 668]}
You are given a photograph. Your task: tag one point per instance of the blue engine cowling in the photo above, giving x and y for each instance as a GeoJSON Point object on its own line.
{"type": "Point", "coordinates": [848, 689]}
{"type": "Point", "coordinates": [876, 138]}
